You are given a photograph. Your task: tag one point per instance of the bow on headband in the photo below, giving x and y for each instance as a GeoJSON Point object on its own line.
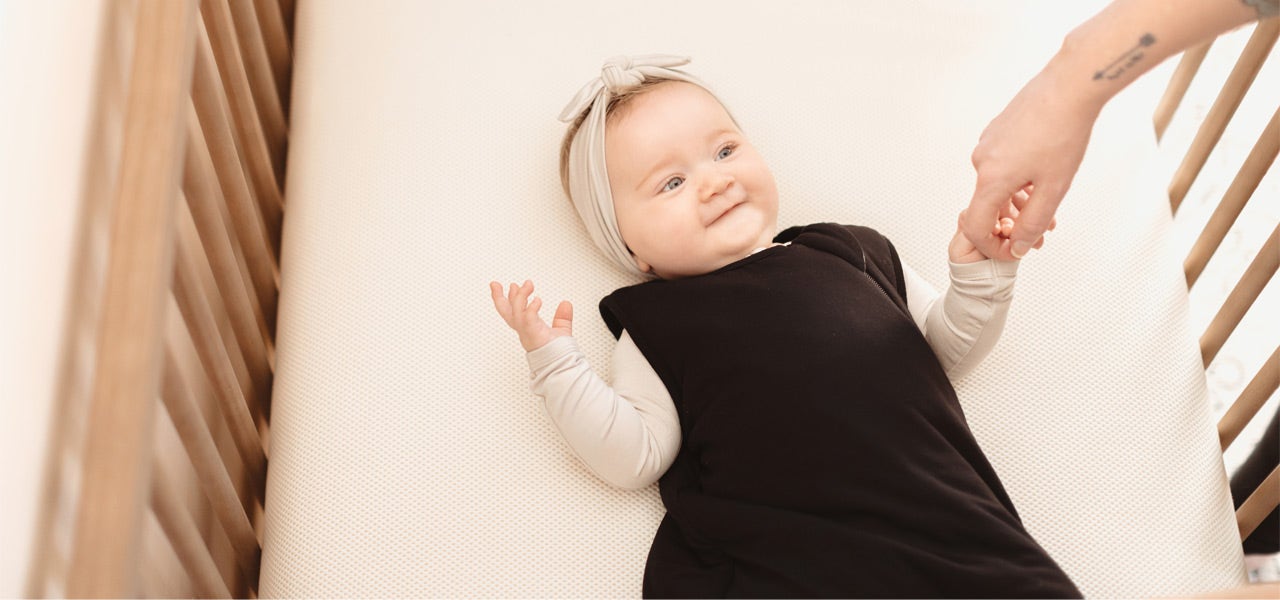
{"type": "Point", "coordinates": [588, 177]}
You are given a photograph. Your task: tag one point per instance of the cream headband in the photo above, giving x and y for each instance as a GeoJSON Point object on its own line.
{"type": "Point", "coordinates": [588, 178]}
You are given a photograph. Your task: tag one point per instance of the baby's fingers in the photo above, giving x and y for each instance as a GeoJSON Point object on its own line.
{"type": "Point", "coordinates": [518, 299]}
{"type": "Point", "coordinates": [563, 320]}
{"type": "Point", "coordinates": [500, 302]}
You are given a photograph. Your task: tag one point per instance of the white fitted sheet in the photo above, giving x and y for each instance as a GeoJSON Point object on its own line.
{"type": "Point", "coordinates": [408, 457]}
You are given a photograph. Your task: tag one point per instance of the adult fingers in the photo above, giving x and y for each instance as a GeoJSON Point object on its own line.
{"type": "Point", "coordinates": [984, 209]}
{"type": "Point", "coordinates": [1034, 219]}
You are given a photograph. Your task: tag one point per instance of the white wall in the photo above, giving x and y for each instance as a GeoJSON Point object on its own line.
{"type": "Point", "coordinates": [47, 54]}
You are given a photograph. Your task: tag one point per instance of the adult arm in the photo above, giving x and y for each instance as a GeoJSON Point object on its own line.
{"type": "Point", "coordinates": [1041, 136]}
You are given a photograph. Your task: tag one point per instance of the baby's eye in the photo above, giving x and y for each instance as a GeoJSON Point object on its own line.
{"type": "Point", "coordinates": [672, 184]}
{"type": "Point", "coordinates": [725, 152]}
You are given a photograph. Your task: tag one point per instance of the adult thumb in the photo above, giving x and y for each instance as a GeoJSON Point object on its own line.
{"type": "Point", "coordinates": [1034, 219]}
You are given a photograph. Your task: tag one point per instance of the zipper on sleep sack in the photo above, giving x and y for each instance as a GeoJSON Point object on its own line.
{"type": "Point", "coordinates": [879, 287]}
{"type": "Point", "coordinates": [873, 279]}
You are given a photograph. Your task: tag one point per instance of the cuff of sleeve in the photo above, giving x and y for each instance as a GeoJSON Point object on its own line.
{"type": "Point", "coordinates": [984, 270]}
{"type": "Point", "coordinates": [550, 352]}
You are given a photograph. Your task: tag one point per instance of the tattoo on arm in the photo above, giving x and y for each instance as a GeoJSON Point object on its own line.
{"type": "Point", "coordinates": [1126, 60]}
{"type": "Point", "coordinates": [1265, 8]}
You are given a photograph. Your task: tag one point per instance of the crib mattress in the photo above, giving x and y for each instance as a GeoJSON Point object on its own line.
{"type": "Point", "coordinates": [408, 456]}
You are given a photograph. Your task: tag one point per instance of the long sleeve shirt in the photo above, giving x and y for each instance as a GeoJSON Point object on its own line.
{"type": "Point", "coordinates": [628, 433]}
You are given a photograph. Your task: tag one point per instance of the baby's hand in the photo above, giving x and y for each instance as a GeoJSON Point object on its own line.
{"type": "Point", "coordinates": [961, 250]}
{"type": "Point", "coordinates": [521, 313]}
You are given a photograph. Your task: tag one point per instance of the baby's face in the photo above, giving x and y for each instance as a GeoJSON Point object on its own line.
{"type": "Point", "coordinates": [690, 193]}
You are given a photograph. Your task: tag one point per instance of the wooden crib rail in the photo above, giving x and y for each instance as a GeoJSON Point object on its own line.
{"type": "Point", "coordinates": [166, 479]}
{"type": "Point", "coordinates": [1259, 48]}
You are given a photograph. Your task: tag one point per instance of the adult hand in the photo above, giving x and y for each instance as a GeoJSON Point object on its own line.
{"type": "Point", "coordinates": [962, 251]}
{"type": "Point", "coordinates": [1036, 143]}
{"type": "Point", "coordinates": [521, 313]}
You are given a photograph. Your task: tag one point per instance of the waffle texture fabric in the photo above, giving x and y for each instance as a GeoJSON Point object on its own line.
{"type": "Point", "coordinates": [408, 455]}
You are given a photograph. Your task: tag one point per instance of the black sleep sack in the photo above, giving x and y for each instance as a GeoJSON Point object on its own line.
{"type": "Point", "coordinates": [824, 451]}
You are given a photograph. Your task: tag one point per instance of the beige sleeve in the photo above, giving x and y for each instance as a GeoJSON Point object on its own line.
{"type": "Point", "coordinates": [627, 434]}
{"type": "Point", "coordinates": [963, 323]}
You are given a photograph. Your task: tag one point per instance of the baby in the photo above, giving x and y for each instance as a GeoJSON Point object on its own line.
{"type": "Point", "coordinates": [790, 391]}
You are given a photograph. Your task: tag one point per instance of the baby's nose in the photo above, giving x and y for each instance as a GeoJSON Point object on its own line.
{"type": "Point", "coordinates": [716, 183]}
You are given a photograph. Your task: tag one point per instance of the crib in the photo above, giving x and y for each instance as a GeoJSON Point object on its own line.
{"type": "Point", "coordinates": [222, 402]}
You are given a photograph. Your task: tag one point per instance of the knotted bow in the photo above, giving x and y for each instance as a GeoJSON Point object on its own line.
{"type": "Point", "coordinates": [588, 177]}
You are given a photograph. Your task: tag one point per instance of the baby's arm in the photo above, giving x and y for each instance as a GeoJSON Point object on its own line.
{"type": "Point", "coordinates": [963, 323]}
{"type": "Point", "coordinates": [628, 434]}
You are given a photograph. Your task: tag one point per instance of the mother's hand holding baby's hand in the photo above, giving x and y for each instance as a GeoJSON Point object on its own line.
{"type": "Point", "coordinates": [1040, 139]}
{"type": "Point", "coordinates": [962, 250]}
{"type": "Point", "coordinates": [521, 313]}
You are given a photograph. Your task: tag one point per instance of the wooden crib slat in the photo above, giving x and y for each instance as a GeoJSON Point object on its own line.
{"type": "Point", "coordinates": [1178, 84]}
{"type": "Point", "coordinates": [214, 355]}
{"type": "Point", "coordinates": [229, 270]}
{"type": "Point", "coordinates": [279, 49]}
{"type": "Point", "coordinates": [1250, 401]}
{"type": "Point", "coordinates": [189, 243]}
{"type": "Point", "coordinates": [1238, 82]}
{"type": "Point", "coordinates": [216, 482]}
{"type": "Point", "coordinates": [184, 536]}
{"type": "Point", "coordinates": [1259, 504]}
{"type": "Point", "coordinates": [287, 9]}
{"type": "Point", "coordinates": [115, 482]}
{"type": "Point", "coordinates": [264, 174]}
{"type": "Point", "coordinates": [257, 230]}
{"type": "Point", "coordinates": [257, 66]}
{"type": "Point", "coordinates": [1233, 201]}
{"type": "Point", "coordinates": [1241, 297]}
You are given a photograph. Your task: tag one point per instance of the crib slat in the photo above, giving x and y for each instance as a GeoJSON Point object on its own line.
{"type": "Point", "coordinates": [116, 471]}
{"type": "Point", "coordinates": [1260, 504]}
{"type": "Point", "coordinates": [189, 243]}
{"type": "Point", "coordinates": [262, 82]}
{"type": "Point", "coordinates": [287, 8]}
{"type": "Point", "coordinates": [215, 480]}
{"type": "Point", "coordinates": [1250, 401]}
{"type": "Point", "coordinates": [279, 49]}
{"type": "Point", "coordinates": [1178, 84]}
{"type": "Point", "coordinates": [235, 81]}
{"type": "Point", "coordinates": [1241, 297]}
{"type": "Point", "coordinates": [1233, 201]}
{"type": "Point", "coordinates": [229, 270]}
{"type": "Point", "coordinates": [214, 356]}
{"type": "Point", "coordinates": [184, 536]}
{"type": "Point", "coordinates": [1238, 82]}
{"type": "Point", "coordinates": [257, 230]}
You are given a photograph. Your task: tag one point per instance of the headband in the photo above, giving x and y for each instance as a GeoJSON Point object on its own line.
{"type": "Point", "coordinates": [588, 177]}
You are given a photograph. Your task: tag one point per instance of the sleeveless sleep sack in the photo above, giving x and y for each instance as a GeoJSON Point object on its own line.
{"type": "Point", "coordinates": [824, 451]}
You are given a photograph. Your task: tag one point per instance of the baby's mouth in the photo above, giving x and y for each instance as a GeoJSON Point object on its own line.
{"type": "Point", "coordinates": [727, 211]}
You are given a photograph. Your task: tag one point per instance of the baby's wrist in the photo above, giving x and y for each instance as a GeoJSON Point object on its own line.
{"type": "Point", "coordinates": [550, 351]}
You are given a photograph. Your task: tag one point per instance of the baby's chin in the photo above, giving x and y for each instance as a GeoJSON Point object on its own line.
{"type": "Point", "coordinates": [744, 230]}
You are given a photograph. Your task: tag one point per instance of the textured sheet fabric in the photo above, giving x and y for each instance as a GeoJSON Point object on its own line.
{"type": "Point", "coordinates": [408, 456]}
